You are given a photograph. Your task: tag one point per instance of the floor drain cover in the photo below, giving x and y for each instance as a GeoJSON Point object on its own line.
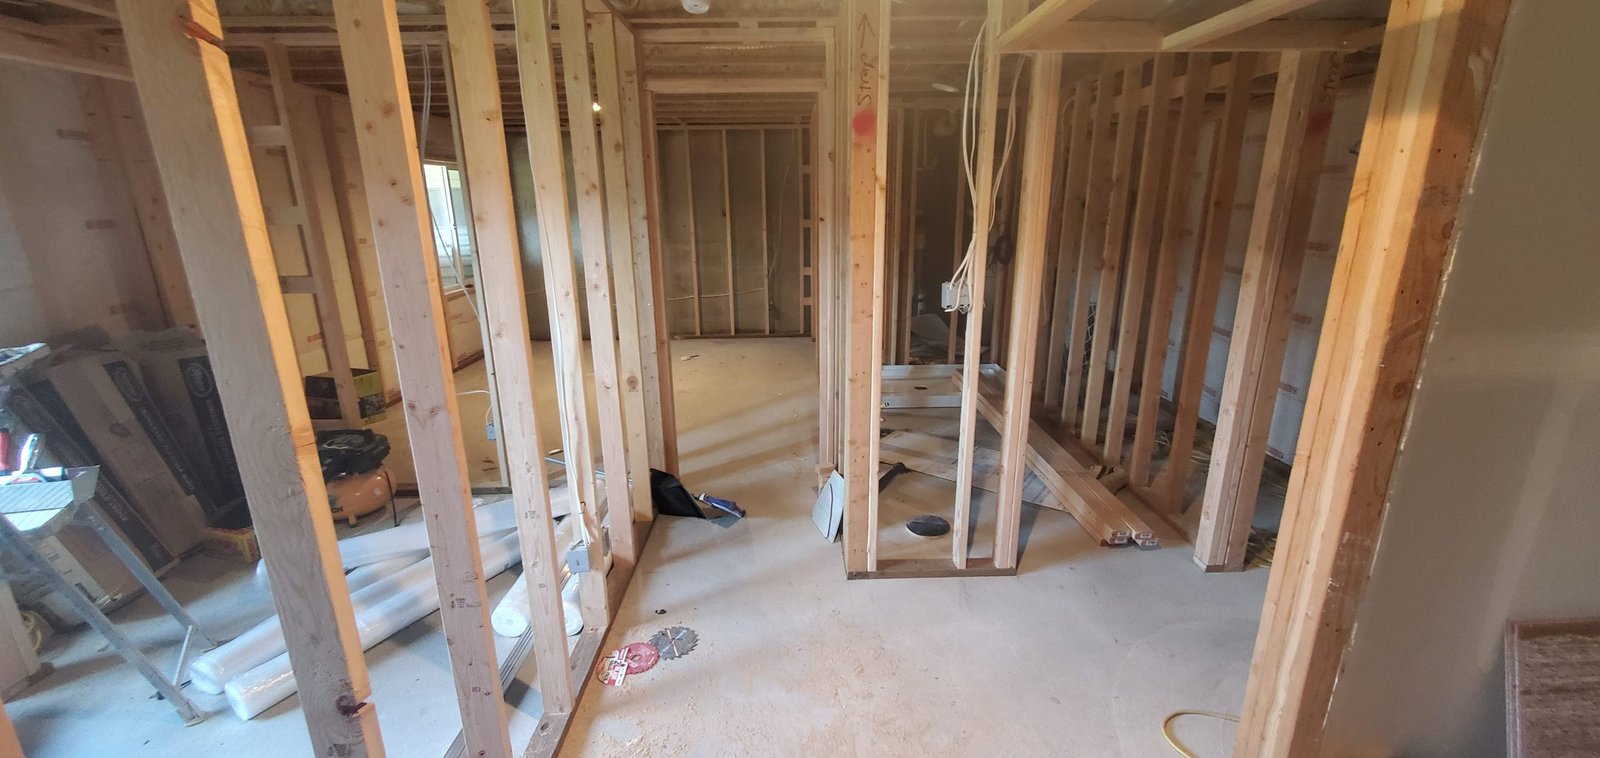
{"type": "Point", "coordinates": [928, 526]}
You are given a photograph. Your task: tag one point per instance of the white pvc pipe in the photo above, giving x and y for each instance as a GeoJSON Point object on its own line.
{"type": "Point", "coordinates": [260, 643]}
{"type": "Point", "coordinates": [415, 596]}
{"type": "Point", "coordinates": [412, 538]}
{"type": "Point", "coordinates": [512, 615]}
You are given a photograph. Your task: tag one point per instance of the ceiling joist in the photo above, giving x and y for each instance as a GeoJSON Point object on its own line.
{"type": "Point", "coordinates": [1151, 37]}
{"type": "Point", "coordinates": [1236, 20]}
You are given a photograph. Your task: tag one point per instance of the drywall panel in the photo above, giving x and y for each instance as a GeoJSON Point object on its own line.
{"type": "Point", "coordinates": [1491, 513]}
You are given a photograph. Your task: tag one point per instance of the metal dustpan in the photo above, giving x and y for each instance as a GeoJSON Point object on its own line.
{"type": "Point", "coordinates": [828, 513]}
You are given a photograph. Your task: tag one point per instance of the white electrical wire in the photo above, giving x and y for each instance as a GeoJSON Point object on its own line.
{"type": "Point", "coordinates": [971, 97]}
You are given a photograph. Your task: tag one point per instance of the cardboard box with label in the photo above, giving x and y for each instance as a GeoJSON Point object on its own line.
{"type": "Point", "coordinates": [177, 372]}
{"type": "Point", "coordinates": [119, 420]}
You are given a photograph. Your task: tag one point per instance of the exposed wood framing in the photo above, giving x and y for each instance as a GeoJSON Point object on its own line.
{"type": "Point", "coordinates": [1231, 21]}
{"type": "Point", "coordinates": [1206, 276]}
{"type": "Point", "coordinates": [1180, 185]}
{"type": "Point", "coordinates": [1040, 24]}
{"type": "Point", "coordinates": [192, 112]}
{"type": "Point", "coordinates": [701, 85]}
{"type": "Point", "coordinates": [1114, 234]}
{"type": "Point", "coordinates": [825, 329]}
{"type": "Point", "coordinates": [370, 44]}
{"type": "Point", "coordinates": [486, 354]}
{"type": "Point", "coordinates": [122, 156]}
{"type": "Point", "coordinates": [1428, 101]}
{"type": "Point", "coordinates": [639, 149]}
{"type": "Point", "coordinates": [350, 222]}
{"type": "Point", "coordinates": [727, 235]}
{"type": "Point", "coordinates": [633, 332]}
{"type": "Point", "coordinates": [1151, 36]}
{"type": "Point", "coordinates": [1153, 162]}
{"type": "Point", "coordinates": [694, 239]}
{"type": "Point", "coordinates": [907, 307]}
{"type": "Point", "coordinates": [320, 233]}
{"type": "Point", "coordinates": [1297, 142]}
{"type": "Point", "coordinates": [766, 242]}
{"type": "Point", "coordinates": [101, 8]}
{"type": "Point", "coordinates": [867, 27]}
{"type": "Point", "coordinates": [896, 228]}
{"type": "Point", "coordinates": [488, 169]}
{"type": "Point", "coordinates": [1037, 161]}
{"type": "Point", "coordinates": [1001, 14]}
{"type": "Point", "coordinates": [586, 177]}
{"type": "Point", "coordinates": [1091, 241]}
{"type": "Point", "coordinates": [734, 36]}
{"type": "Point", "coordinates": [50, 52]}
{"type": "Point", "coordinates": [150, 202]}
{"type": "Point", "coordinates": [537, 79]}
{"type": "Point", "coordinates": [1061, 467]}
{"type": "Point", "coordinates": [1074, 194]}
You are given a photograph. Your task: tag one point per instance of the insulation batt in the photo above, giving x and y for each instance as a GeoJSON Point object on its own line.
{"type": "Point", "coordinates": [512, 617]}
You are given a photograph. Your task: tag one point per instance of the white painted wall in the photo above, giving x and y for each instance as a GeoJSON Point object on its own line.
{"type": "Point", "coordinates": [1492, 514]}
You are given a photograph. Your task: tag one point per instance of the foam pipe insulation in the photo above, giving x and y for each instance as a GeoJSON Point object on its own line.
{"type": "Point", "coordinates": [414, 596]}
{"type": "Point", "coordinates": [412, 538]}
{"type": "Point", "coordinates": [512, 616]}
{"type": "Point", "coordinates": [262, 642]}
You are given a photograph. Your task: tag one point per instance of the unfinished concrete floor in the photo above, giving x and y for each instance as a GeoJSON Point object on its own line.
{"type": "Point", "coordinates": [1082, 654]}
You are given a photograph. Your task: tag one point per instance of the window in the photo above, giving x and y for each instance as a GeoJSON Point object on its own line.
{"type": "Point", "coordinates": [452, 236]}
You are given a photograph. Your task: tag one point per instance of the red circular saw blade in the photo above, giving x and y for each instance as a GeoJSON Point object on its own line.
{"type": "Point", "coordinates": [641, 657]}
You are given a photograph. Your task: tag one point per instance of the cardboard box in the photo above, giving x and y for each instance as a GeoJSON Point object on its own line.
{"type": "Point", "coordinates": [80, 557]}
{"type": "Point", "coordinates": [175, 368]}
{"type": "Point", "coordinates": [42, 410]}
{"type": "Point", "coordinates": [322, 395]}
{"type": "Point", "coordinates": [134, 447]}
{"type": "Point", "coordinates": [233, 544]}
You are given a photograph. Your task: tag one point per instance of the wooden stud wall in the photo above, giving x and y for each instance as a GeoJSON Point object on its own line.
{"type": "Point", "coordinates": [369, 41]}
{"type": "Point", "coordinates": [867, 39]}
{"type": "Point", "coordinates": [1429, 96]}
{"type": "Point", "coordinates": [733, 219]}
{"type": "Point", "coordinates": [1097, 309]}
{"type": "Point", "coordinates": [191, 111]}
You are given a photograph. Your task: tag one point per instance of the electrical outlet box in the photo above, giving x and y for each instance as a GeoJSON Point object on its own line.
{"type": "Point", "coordinates": [578, 558]}
{"type": "Point", "coordinates": [955, 299]}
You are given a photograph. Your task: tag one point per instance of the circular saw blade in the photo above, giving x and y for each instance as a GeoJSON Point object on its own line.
{"type": "Point", "coordinates": [675, 642]}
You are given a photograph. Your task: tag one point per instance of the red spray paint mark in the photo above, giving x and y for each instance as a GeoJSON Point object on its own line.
{"type": "Point", "coordinates": [865, 122]}
{"type": "Point", "coordinates": [1319, 122]}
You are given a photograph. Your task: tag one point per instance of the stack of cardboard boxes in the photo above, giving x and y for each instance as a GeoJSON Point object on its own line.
{"type": "Point", "coordinates": [145, 408]}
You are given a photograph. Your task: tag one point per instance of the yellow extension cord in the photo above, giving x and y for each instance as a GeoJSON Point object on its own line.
{"type": "Point", "coordinates": [1166, 728]}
